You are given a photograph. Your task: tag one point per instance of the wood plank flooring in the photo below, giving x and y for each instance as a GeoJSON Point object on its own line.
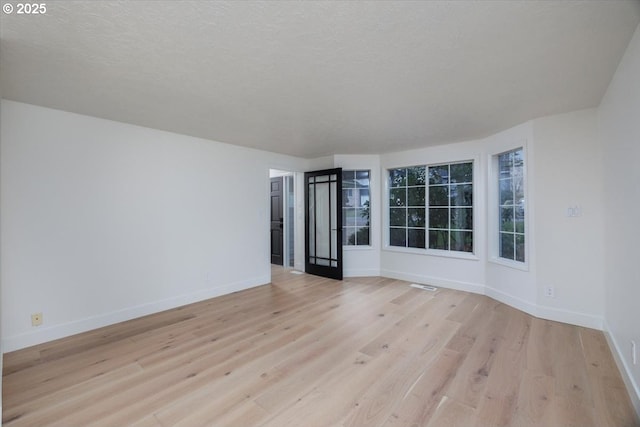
{"type": "Point", "coordinates": [308, 351]}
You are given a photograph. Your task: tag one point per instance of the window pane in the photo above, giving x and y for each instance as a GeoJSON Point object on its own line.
{"type": "Point", "coordinates": [505, 164]}
{"type": "Point", "coordinates": [416, 238]}
{"type": "Point", "coordinates": [439, 174]}
{"type": "Point", "coordinates": [397, 237]}
{"type": "Point", "coordinates": [518, 188]}
{"type": "Point", "coordinates": [348, 217]}
{"type": "Point", "coordinates": [362, 198]}
{"type": "Point", "coordinates": [416, 217]}
{"type": "Point", "coordinates": [506, 245]}
{"type": "Point", "coordinates": [398, 217]}
{"type": "Point", "coordinates": [439, 239]}
{"type": "Point", "coordinates": [347, 198]}
{"type": "Point", "coordinates": [461, 195]}
{"type": "Point", "coordinates": [416, 175]}
{"type": "Point", "coordinates": [512, 202]}
{"type": "Point", "coordinates": [518, 158]}
{"type": "Point", "coordinates": [438, 218]}
{"type": "Point", "coordinates": [519, 218]}
{"type": "Point", "coordinates": [349, 235]}
{"type": "Point", "coordinates": [397, 177]}
{"type": "Point", "coordinates": [348, 179]}
{"type": "Point", "coordinates": [362, 236]}
{"type": "Point", "coordinates": [415, 196]}
{"type": "Point", "coordinates": [362, 175]}
{"type": "Point", "coordinates": [506, 219]}
{"type": "Point", "coordinates": [461, 219]}
{"type": "Point", "coordinates": [398, 197]}
{"type": "Point", "coordinates": [312, 219]}
{"type": "Point", "coordinates": [520, 247]}
{"type": "Point", "coordinates": [355, 203]}
{"type": "Point", "coordinates": [462, 241]}
{"type": "Point", "coordinates": [462, 172]}
{"type": "Point", "coordinates": [439, 195]}
{"type": "Point", "coordinates": [506, 191]}
{"type": "Point", "coordinates": [361, 217]}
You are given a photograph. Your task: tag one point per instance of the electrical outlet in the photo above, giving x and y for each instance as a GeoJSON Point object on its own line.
{"type": "Point", "coordinates": [549, 292]}
{"type": "Point", "coordinates": [36, 319]}
{"type": "Point", "coordinates": [634, 353]}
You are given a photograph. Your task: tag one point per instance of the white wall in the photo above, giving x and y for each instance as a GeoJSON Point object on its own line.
{"type": "Point", "coordinates": [569, 174]}
{"type": "Point", "coordinates": [619, 124]}
{"type": "Point", "coordinates": [103, 221]}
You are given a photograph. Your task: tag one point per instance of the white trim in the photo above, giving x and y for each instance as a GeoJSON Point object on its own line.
{"type": "Point", "coordinates": [51, 333]}
{"type": "Point", "coordinates": [545, 312]}
{"type": "Point", "coordinates": [432, 252]}
{"type": "Point", "coordinates": [361, 272]}
{"type": "Point", "coordinates": [287, 220]}
{"type": "Point", "coordinates": [570, 317]}
{"type": "Point", "coordinates": [493, 197]}
{"type": "Point", "coordinates": [511, 300]}
{"type": "Point", "coordinates": [625, 371]}
{"type": "Point", "coordinates": [349, 248]}
{"type": "Point", "coordinates": [523, 266]}
{"type": "Point", "coordinates": [475, 288]}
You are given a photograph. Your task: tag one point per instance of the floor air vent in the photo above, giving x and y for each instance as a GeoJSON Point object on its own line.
{"type": "Point", "coordinates": [424, 287]}
{"type": "Point", "coordinates": [296, 272]}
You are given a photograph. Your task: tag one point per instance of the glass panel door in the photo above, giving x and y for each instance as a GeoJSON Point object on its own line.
{"type": "Point", "coordinates": [323, 223]}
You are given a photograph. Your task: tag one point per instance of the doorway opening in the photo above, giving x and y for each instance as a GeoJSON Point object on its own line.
{"type": "Point", "coordinates": [282, 202]}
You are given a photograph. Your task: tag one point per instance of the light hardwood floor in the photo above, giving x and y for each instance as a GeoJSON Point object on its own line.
{"type": "Point", "coordinates": [307, 351]}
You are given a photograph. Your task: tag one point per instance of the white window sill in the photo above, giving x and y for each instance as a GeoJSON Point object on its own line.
{"type": "Point", "coordinates": [523, 266]}
{"type": "Point", "coordinates": [433, 252]}
{"type": "Point", "coordinates": [357, 248]}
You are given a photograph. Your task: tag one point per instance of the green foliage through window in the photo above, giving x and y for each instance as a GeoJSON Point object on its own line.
{"type": "Point", "coordinates": [432, 206]}
{"type": "Point", "coordinates": [511, 210]}
{"type": "Point", "coordinates": [356, 207]}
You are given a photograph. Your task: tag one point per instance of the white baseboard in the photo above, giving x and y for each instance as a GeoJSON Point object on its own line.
{"type": "Point", "coordinates": [17, 342]}
{"type": "Point", "coordinates": [632, 387]}
{"type": "Point", "coordinates": [571, 317]}
{"type": "Point", "coordinates": [511, 300]}
{"type": "Point", "coordinates": [545, 312]}
{"type": "Point", "coordinates": [361, 272]}
{"type": "Point", "coordinates": [434, 281]}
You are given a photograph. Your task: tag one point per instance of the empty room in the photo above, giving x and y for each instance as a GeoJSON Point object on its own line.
{"type": "Point", "coordinates": [320, 213]}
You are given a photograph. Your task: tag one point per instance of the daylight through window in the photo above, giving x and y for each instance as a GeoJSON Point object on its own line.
{"type": "Point", "coordinates": [511, 205]}
{"type": "Point", "coordinates": [432, 207]}
{"type": "Point", "coordinates": [356, 207]}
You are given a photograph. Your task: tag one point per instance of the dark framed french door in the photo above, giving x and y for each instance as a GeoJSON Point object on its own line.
{"type": "Point", "coordinates": [323, 223]}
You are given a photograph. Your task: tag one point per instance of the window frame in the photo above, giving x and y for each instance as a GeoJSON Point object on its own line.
{"type": "Point", "coordinates": [428, 251]}
{"type": "Point", "coordinates": [493, 200]}
{"type": "Point", "coordinates": [344, 226]}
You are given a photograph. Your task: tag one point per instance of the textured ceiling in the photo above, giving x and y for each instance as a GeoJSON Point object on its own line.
{"type": "Point", "coordinates": [317, 78]}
